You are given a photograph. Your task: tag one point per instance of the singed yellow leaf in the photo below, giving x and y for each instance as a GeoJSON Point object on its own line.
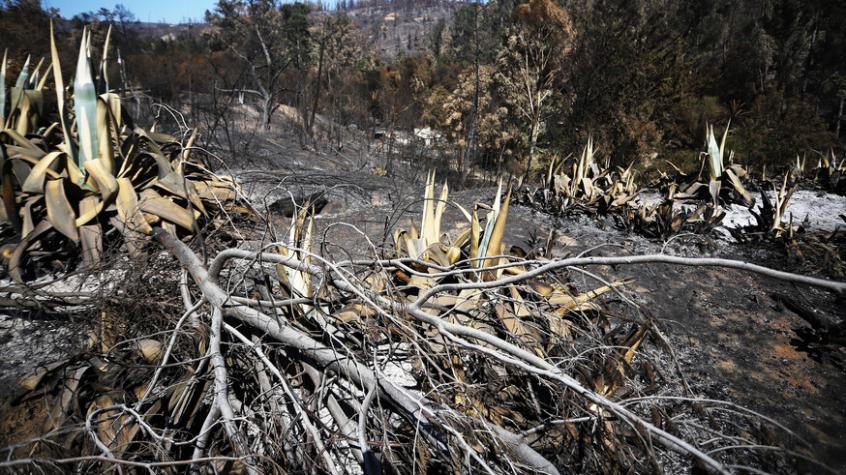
{"type": "Point", "coordinates": [59, 210]}
{"type": "Point", "coordinates": [128, 209]}
{"type": "Point", "coordinates": [153, 203]}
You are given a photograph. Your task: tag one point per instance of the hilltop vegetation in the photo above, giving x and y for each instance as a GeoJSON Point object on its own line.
{"type": "Point", "coordinates": [504, 83]}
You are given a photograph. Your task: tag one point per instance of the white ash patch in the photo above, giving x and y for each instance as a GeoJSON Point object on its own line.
{"type": "Point", "coordinates": [819, 211]}
{"type": "Point", "coordinates": [816, 210]}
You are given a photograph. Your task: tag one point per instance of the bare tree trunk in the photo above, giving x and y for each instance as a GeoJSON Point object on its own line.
{"type": "Point", "coordinates": [533, 140]}
{"type": "Point", "coordinates": [474, 117]}
{"type": "Point", "coordinates": [266, 112]}
{"type": "Point", "coordinates": [316, 102]}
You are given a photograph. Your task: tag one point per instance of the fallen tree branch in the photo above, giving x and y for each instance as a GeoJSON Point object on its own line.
{"type": "Point", "coordinates": [417, 409]}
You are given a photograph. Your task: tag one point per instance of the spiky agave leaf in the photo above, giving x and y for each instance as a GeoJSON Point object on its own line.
{"type": "Point", "coordinates": [715, 156]}
{"type": "Point", "coordinates": [70, 148]}
{"type": "Point", "coordinates": [494, 244]}
{"type": "Point", "coordinates": [23, 76]}
{"type": "Point", "coordinates": [85, 105]}
{"type": "Point", "coordinates": [103, 73]}
{"type": "Point", "coordinates": [3, 89]}
{"type": "Point", "coordinates": [489, 226]}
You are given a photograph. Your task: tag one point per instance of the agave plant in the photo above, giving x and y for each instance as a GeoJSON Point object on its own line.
{"type": "Point", "coordinates": [663, 220]}
{"type": "Point", "coordinates": [724, 180]}
{"type": "Point", "coordinates": [771, 217]}
{"type": "Point", "coordinates": [481, 253]}
{"type": "Point", "coordinates": [68, 184]}
{"type": "Point", "coordinates": [585, 184]}
{"type": "Point", "coordinates": [830, 173]}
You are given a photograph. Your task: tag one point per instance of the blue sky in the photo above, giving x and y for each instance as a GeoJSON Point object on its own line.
{"type": "Point", "coordinates": [171, 11]}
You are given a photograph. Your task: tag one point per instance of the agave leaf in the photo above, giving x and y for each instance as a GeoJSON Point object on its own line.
{"type": "Point", "coordinates": [498, 232]}
{"type": "Point", "coordinates": [738, 186]}
{"type": "Point", "coordinates": [85, 105]}
{"type": "Point", "coordinates": [566, 302]}
{"type": "Point", "coordinates": [60, 97]}
{"type": "Point", "coordinates": [35, 181]}
{"type": "Point", "coordinates": [150, 349]}
{"type": "Point", "coordinates": [176, 184]}
{"type": "Point", "coordinates": [153, 203]}
{"type": "Point", "coordinates": [513, 322]}
{"type": "Point", "coordinates": [9, 202]}
{"type": "Point", "coordinates": [489, 225]}
{"type": "Point", "coordinates": [91, 235]}
{"type": "Point", "coordinates": [31, 381]}
{"type": "Point", "coordinates": [107, 186]}
{"type": "Point", "coordinates": [39, 86]}
{"type": "Point", "coordinates": [714, 190]}
{"type": "Point", "coordinates": [103, 79]}
{"type": "Point", "coordinates": [17, 258]}
{"type": "Point", "coordinates": [21, 99]}
{"type": "Point", "coordinates": [633, 343]}
{"type": "Point", "coordinates": [28, 221]}
{"type": "Point", "coordinates": [186, 150]}
{"type": "Point", "coordinates": [104, 136]}
{"type": "Point", "coordinates": [33, 81]}
{"type": "Point", "coordinates": [3, 89]}
{"type": "Point", "coordinates": [60, 411]}
{"type": "Point", "coordinates": [715, 156]}
{"type": "Point", "coordinates": [164, 165]}
{"type": "Point", "coordinates": [475, 234]}
{"type": "Point", "coordinates": [23, 76]}
{"type": "Point", "coordinates": [214, 190]}
{"type": "Point", "coordinates": [440, 206]}
{"type": "Point", "coordinates": [60, 213]}
{"type": "Point", "coordinates": [128, 209]}
{"type": "Point", "coordinates": [464, 212]}
{"type": "Point", "coordinates": [428, 206]}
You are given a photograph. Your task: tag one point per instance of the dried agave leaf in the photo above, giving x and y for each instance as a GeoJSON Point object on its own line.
{"type": "Point", "coordinates": [489, 225]}
{"type": "Point", "coordinates": [35, 181]}
{"type": "Point", "coordinates": [128, 208]}
{"type": "Point", "coordinates": [738, 186]}
{"type": "Point", "coordinates": [91, 235]}
{"type": "Point", "coordinates": [10, 204]}
{"type": "Point", "coordinates": [515, 327]}
{"type": "Point", "coordinates": [353, 312]}
{"type": "Point", "coordinates": [107, 186]}
{"type": "Point", "coordinates": [3, 89]}
{"type": "Point", "coordinates": [104, 137]}
{"type": "Point", "coordinates": [60, 411]}
{"type": "Point", "coordinates": [60, 213]}
{"type": "Point", "coordinates": [475, 235]}
{"type": "Point", "coordinates": [176, 184]}
{"type": "Point", "coordinates": [150, 349]}
{"type": "Point", "coordinates": [30, 381]}
{"type": "Point", "coordinates": [153, 203]}
{"type": "Point", "coordinates": [560, 298]}
{"type": "Point", "coordinates": [60, 96]}
{"type": "Point", "coordinates": [494, 246]}
{"type": "Point", "coordinates": [212, 190]}
{"type": "Point", "coordinates": [24, 142]}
